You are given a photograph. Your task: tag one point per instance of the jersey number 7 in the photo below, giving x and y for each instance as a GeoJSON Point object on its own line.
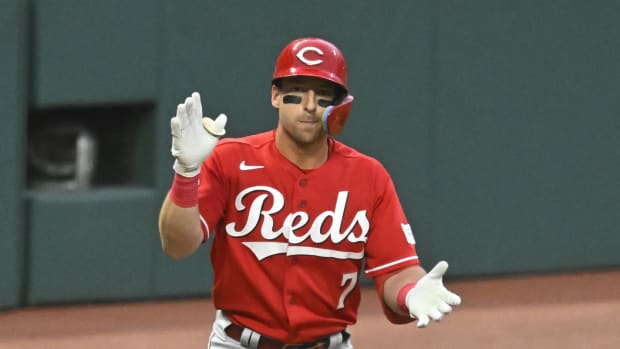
{"type": "Point", "coordinates": [348, 282]}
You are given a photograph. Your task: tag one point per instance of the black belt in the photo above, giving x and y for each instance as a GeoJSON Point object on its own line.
{"type": "Point", "coordinates": [233, 331]}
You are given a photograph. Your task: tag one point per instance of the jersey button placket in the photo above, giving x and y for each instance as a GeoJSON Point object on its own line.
{"type": "Point", "coordinates": [303, 203]}
{"type": "Point", "coordinates": [303, 182]}
{"type": "Point", "coordinates": [291, 281]}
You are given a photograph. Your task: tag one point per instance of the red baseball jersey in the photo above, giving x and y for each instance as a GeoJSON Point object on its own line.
{"type": "Point", "coordinates": [289, 244]}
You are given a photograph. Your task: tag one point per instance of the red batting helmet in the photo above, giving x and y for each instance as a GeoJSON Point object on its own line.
{"type": "Point", "coordinates": [312, 57]}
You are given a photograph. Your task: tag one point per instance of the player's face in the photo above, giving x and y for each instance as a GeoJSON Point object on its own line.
{"type": "Point", "coordinates": [301, 102]}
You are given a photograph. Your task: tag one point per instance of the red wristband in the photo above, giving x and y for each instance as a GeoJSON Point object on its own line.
{"type": "Point", "coordinates": [184, 191]}
{"type": "Point", "coordinates": [401, 299]}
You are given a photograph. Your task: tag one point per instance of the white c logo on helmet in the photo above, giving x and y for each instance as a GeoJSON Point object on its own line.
{"type": "Point", "coordinates": [307, 61]}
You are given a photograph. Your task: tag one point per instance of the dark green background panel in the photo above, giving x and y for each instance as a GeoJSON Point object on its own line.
{"type": "Point", "coordinates": [526, 136]}
{"type": "Point", "coordinates": [13, 98]}
{"type": "Point", "coordinates": [191, 276]}
{"type": "Point", "coordinates": [90, 246]}
{"type": "Point", "coordinates": [93, 52]}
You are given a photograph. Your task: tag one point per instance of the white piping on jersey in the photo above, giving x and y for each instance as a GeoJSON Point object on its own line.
{"type": "Point", "coordinates": [390, 264]}
{"type": "Point", "coordinates": [323, 252]}
{"type": "Point", "coordinates": [264, 249]}
{"type": "Point", "coordinates": [204, 223]}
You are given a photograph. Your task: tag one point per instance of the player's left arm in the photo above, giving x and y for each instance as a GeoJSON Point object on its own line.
{"type": "Point", "coordinates": [405, 300]}
{"type": "Point", "coordinates": [407, 293]}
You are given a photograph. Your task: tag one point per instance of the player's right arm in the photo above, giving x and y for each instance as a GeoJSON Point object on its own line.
{"type": "Point", "coordinates": [193, 139]}
{"type": "Point", "coordinates": [179, 229]}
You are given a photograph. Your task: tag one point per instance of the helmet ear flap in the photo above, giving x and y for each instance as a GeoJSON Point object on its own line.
{"type": "Point", "coordinates": [335, 116]}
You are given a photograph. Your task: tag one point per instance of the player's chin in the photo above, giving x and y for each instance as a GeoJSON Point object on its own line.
{"type": "Point", "coordinates": [309, 135]}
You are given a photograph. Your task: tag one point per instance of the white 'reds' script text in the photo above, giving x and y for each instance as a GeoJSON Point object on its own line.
{"type": "Point", "coordinates": [295, 221]}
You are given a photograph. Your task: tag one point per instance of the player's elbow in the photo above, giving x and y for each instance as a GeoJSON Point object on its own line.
{"type": "Point", "coordinates": [178, 247]}
{"type": "Point", "coordinates": [174, 253]}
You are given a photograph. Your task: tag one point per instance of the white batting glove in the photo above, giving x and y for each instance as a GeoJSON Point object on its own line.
{"type": "Point", "coordinates": [430, 299]}
{"type": "Point", "coordinates": [193, 137]}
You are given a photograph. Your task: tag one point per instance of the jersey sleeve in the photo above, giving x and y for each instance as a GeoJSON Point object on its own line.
{"type": "Point", "coordinates": [212, 193]}
{"type": "Point", "coordinates": [391, 244]}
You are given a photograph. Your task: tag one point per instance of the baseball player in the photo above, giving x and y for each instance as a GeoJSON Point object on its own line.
{"type": "Point", "coordinates": [295, 216]}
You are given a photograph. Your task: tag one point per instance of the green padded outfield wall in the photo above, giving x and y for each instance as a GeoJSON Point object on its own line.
{"type": "Point", "coordinates": [102, 255]}
{"type": "Point", "coordinates": [526, 128]}
{"type": "Point", "coordinates": [96, 52]}
{"type": "Point", "coordinates": [96, 64]}
{"type": "Point", "coordinates": [497, 119]}
{"type": "Point", "coordinates": [13, 99]}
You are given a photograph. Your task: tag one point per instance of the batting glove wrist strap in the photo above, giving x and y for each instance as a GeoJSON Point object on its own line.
{"type": "Point", "coordinates": [430, 299]}
{"type": "Point", "coordinates": [184, 191]}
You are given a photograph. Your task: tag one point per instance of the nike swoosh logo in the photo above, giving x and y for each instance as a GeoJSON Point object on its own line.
{"type": "Point", "coordinates": [244, 167]}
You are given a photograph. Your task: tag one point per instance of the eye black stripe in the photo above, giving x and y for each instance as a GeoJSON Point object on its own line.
{"type": "Point", "coordinates": [291, 99]}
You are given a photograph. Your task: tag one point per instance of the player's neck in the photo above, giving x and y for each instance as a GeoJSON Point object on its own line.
{"type": "Point", "coordinates": [305, 156]}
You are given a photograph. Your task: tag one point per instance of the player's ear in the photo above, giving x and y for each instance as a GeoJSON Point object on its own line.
{"type": "Point", "coordinates": [275, 96]}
